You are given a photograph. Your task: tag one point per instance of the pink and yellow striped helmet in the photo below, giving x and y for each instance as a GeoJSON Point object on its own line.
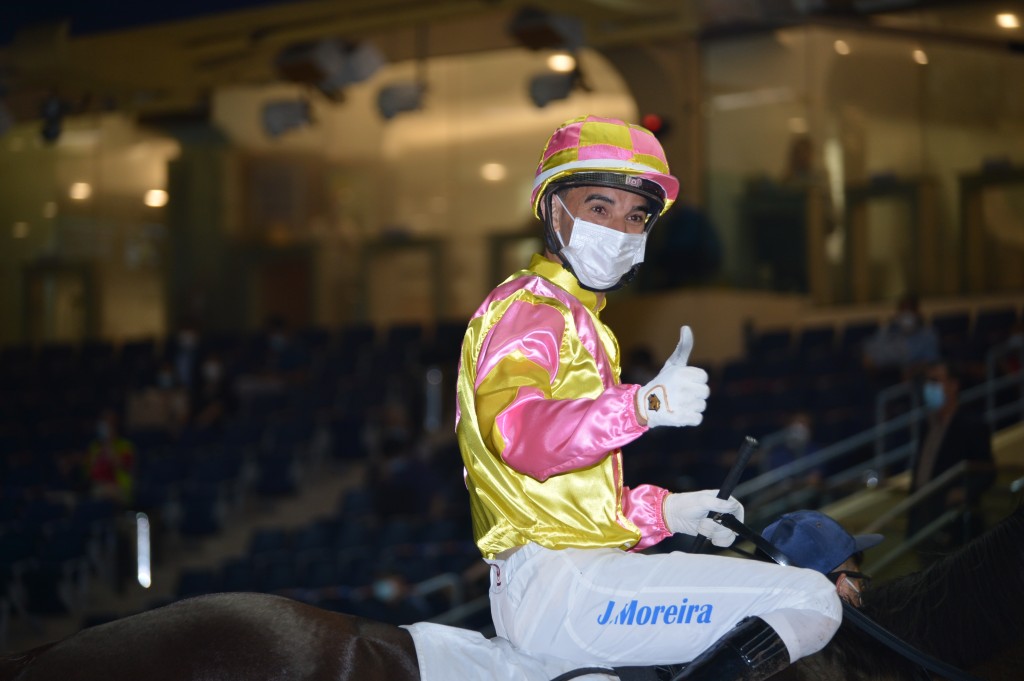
{"type": "Point", "coordinates": [590, 150]}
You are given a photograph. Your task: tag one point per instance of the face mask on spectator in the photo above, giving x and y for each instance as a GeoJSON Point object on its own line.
{"type": "Point", "coordinates": [797, 435]}
{"type": "Point", "coordinates": [934, 395]}
{"type": "Point", "coordinates": [907, 321]}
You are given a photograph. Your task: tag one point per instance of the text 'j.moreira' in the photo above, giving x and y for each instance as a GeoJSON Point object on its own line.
{"type": "Point", "coordinates": [632, 612]}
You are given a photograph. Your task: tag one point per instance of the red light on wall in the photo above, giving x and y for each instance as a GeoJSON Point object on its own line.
{"type": "Point", "coordinates": [655, 123]}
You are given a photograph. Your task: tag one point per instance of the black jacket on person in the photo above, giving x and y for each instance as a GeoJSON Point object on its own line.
{"type": "Point", "coordinates": [967, 437]}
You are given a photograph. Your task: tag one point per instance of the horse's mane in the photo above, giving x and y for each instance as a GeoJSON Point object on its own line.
{"type": "Point", "coordinates": [965, 607]}
{"type": "Point", "coordinates": [851, 655]}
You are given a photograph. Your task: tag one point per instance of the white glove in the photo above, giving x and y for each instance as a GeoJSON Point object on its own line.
{"type": "Point", "coordinates": [687, 513]}
{"type": "Point", "coordinates": [677, 395]}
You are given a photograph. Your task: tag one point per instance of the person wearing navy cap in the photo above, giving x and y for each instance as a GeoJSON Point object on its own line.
{"type": "Point", "coordinates": [811, 539]}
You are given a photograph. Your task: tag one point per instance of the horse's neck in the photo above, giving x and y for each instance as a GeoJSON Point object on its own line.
{"type": "Point", "coordinates": [965, 607]}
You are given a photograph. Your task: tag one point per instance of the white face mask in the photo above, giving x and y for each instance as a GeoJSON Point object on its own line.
{"type": "Point", "coordinates": [599, 255]}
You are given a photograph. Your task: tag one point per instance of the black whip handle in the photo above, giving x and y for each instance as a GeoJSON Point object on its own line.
{"type": "Point", "coordinates": [732, 479]}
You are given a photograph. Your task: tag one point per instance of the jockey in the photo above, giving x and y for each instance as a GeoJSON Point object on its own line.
{"type": "Point", "coordinates": [542, 417]}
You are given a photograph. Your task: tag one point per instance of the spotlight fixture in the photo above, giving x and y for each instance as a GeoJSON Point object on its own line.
{"type": "Point", "coordinates": [538, 29]}
{"type": "Point", "coordinates": [283, 115]}
{"type": "Point", "coordinates": [52, 112]}
{"type": "Point", "coordinates": [400, 98]}
{"type": "Point", "coordinates": [549, 87]}
{"type": "Point", "coordinates": [329, 64]}
{"type": "Point", "coordinates": [6, 118]}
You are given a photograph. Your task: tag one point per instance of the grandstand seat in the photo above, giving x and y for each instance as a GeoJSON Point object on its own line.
{"type": "Point", "coordinates": [814, 340]}
{"type": "Point", "coordinates": [237, 575]}
{"type": "Point", "coordinates": [197, 582]}
{"type": "Point", "coordinates": [991, 327]}
{"type": "Point", "coordinates": [854, 334]}
{"type": "Point", "coordinates": [771, 343]}
{"type": "Point", "coordinates": [320, 572]}
{"type": "Point", "coordinates": [202, 510]}
{"type": "Point", "coordinates": [217, 467]}
{"type": "Point", "coordinates": [315, 536]}
{"type": "Point", "coordinates": [353, 533]}
{"type": "Point", "coordinates": [56, 580]}
{"type": "Point", "coordinates": [277, 474]}
{"type": "Point", "coordinates": [275, 572]}
{"type": "Point", "coordinates": [268, 540]}
{"type": "Point", "coordinates": [952, 324]}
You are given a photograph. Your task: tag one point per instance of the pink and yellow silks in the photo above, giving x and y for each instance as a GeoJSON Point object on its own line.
{"type": "Point", "coordinates": [541, 419]}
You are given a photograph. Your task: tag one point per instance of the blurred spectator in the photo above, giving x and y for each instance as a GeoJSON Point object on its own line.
{"type": "Point", "coordinates": [953, 434]}
{"type": "Point", "coordinates": [403, 482]}
{"type": "Point", "coordinates": [684, 249]}
{"type": "Point", "coordinates": [184, 355]}
{"type": "Point", "coordinates": [391, 599]}
{"type": "Point", "coordinates": [161, 405]}
{"type": "Point", "coordinates": [903, 347]}
{"type": "Point", "coordinates": [286, 355]}
{"type": "Point", "coordinates": [797, 443]}
{"type": "Point", "coordinates": [801, 169]}
{"type": "Point", "coordinates": [110, 461]}
{"type": "Point", "coordinates": [212, 400]}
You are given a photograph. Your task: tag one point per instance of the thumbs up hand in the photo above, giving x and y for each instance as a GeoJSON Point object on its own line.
{"type": "Point", "coordinates": [677, 395]}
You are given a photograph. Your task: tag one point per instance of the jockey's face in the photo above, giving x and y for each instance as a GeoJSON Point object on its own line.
{"type": "Point", "coordinates": [616, 209]}
{"type": "Point", "coordinates": [848, 586]}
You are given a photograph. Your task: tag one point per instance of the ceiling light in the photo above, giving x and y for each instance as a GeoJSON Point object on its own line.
{"type": "Point", "coordinates": [1007, 20]}
{"type": "Point", "coordinates": [920, 57]}
{"type": "Point", "coordinates": [841, 47]}
{"type": "Point", "coordinates": [493, 172]}
{"type": "Point", "coordinates": [155, 198]}
{"type": "Point", "coordinates": [562, 62]}
{"type": "Point", "coordinates": [80, 191]}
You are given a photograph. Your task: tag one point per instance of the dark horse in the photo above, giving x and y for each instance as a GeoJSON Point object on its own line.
{"type": "Point", "coordinates": [965, 609]}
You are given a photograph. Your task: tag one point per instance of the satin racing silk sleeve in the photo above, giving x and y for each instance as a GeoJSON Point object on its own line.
{"type": "Point", "coordinates": [541, 423]}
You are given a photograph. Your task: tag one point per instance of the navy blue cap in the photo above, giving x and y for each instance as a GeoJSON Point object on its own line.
{"type": "Point", "coordinates": [813, 540]}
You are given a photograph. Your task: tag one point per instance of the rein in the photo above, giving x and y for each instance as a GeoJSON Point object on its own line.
{"type": "Point", "coordinates": [852, 614]}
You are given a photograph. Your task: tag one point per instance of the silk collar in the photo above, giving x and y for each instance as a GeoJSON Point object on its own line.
{"type": "Point", "coordinates": [563, 278]}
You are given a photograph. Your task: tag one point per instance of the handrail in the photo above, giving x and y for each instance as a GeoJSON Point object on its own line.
{"type": "Point", "coordinates": [876, 435]}
{"type": "Point", "coordinates": [882, 401]}
{"type": "Point", "coordinates": [823, 455]}
{"type": "Point", "coordinates": [995, 382]}
{"type": "Point", "coordinates": [926, 490]}
{"type": "Point", "coordinates": [449, 581]}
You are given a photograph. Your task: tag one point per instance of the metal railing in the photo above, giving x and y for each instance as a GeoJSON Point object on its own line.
{"type": "Point", "coordinates": [887, 455]}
